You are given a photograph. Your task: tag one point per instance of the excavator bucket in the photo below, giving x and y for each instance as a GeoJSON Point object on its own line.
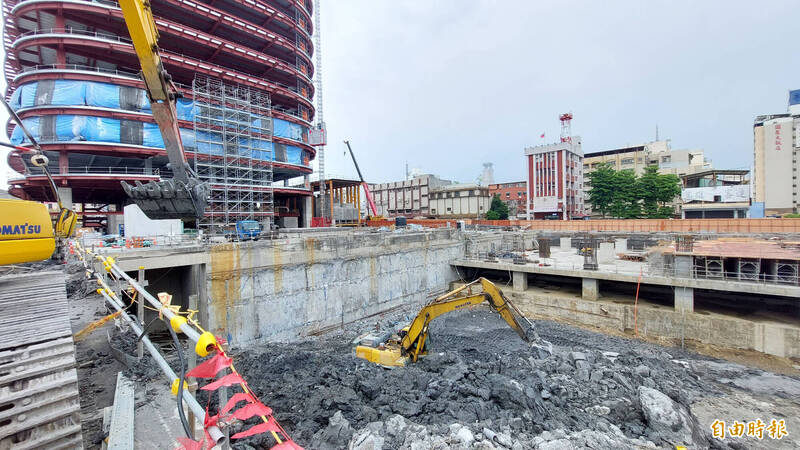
{"type": "Point", "coordinates": [169, 199]}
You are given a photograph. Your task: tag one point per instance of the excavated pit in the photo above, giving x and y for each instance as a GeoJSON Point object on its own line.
{"type": "Point", "coordinates": [483, 387]}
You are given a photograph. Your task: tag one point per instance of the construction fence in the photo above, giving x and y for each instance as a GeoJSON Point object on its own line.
{"type": "Point", "coordinates": [629, 225]}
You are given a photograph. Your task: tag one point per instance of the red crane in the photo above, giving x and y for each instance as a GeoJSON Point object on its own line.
{"type": "Point", "coordinates": [367, 193]}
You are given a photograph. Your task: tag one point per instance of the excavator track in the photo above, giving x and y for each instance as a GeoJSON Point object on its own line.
{"type": "Point", "coordinates": [39, 402]}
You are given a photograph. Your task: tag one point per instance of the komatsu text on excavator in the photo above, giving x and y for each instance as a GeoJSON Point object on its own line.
{"type": "Point", "coordinates": [27, 233]}
{"type": "Point", "coordinates": [411, 342]}
{"type": "Point", "coordinates": [184, 196]}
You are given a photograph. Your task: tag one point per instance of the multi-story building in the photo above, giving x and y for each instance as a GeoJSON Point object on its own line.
{"type": "Point", "coordinates": [637, 157]}
{"type": "Point", "coordinates": [657, 153]}
{"type": "Point", "coordinates": [776, 144]}
{"type": "Point", "coordinates": [555, 180]}
{"type": "Point", "coordinates": [716, 194]}
{"type": "Point", "coordinates": [512, 194]}
{"type": "Point", "coordinates": [459, 201]}
{"type": "Point", "coordinates": [244, 68]}
{"type": "Point", "coordinates": [408, 198]}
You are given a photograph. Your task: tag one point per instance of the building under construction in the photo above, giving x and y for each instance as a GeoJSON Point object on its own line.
{"type": "Point", "coordinates": [73, 78]}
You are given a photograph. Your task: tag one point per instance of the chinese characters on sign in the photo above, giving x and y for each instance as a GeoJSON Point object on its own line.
{"type": "Point", "coordinates": [754, 429]}
{"type": "Point", "coordinates": [777, 137]}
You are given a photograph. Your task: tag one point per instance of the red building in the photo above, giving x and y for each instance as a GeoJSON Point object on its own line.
{"type": "Point", "coordinates": [555, 180]}
{"type": "Point", "coordinates": [72, 76]}
{"type": "Point", "coordinates": [512, 194]}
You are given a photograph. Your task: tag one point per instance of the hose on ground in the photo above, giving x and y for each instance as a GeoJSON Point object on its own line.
{"type": "Point", "coordinates": [181, 376]}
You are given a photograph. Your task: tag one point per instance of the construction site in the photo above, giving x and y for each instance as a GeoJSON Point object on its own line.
{"type": "Point", "coordinates": [171, 276]}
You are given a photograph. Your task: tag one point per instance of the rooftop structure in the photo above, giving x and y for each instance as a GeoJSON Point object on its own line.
{"type": "Point", "coordinates": [73, 78]}
{"type": "Point", "coordinates": [716, 194]}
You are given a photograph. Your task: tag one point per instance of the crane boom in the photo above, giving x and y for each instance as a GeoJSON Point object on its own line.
{"type": "Point", "coordinates": [409, 345]}
{"type": "Point", "coordinates": [183, 196]}
{"type": "Point", "coordinates": [367, 193]}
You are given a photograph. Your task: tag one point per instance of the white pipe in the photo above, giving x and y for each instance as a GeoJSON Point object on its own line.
{"type": "Point", "coordinates": [187, 329]}
{"type": "Point", "coordinates": [216, 434]}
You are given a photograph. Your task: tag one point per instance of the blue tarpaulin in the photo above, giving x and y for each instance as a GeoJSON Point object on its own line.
{"type": "Point", "coordinates": [65, 128]}
{"type": "Point", "coordinates": [107, 95]}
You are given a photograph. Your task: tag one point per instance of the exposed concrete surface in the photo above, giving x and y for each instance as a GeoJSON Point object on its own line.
{"type": "Point", "coordinates": [283, 289]}
{"type": "Point", "coordinates": [520, 281]}
{"type": "Point", "coordinates": [660, 322]}
{"type": "Point", "coordinates": [684, 299]}
{"type": "Point", "coordinates": [589, 289]}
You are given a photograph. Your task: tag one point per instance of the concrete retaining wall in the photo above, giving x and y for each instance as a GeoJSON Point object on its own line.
{"type": "Point", "coordinates": [771, 338]}
{"type": "Point", "coordinates": [262, 292]}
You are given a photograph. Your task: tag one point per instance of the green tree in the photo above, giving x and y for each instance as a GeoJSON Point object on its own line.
{"type": "Point", "coordinates": [626, 195]}
{"type": "Point", "coordinates": [648, 184]}
{"type": "Point", "coordinates": [498, 209]}
{"type": "Point", "coordinates": [658, 190]}
{"type": "Point", "coordinates": [601, 188]}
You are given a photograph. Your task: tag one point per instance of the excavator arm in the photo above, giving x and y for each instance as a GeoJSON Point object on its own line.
{"type": "Point", "coordinates": [413, 343]}
{"type": "Point", "coordinates": [410, 344]}
{"type": "Point", "coordinates": [183, 196]}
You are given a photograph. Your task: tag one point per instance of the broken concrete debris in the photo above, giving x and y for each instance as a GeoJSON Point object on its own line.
{"type": "Point", "coordinates": [483, 388]}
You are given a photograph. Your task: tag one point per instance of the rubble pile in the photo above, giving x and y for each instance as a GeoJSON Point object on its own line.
{"type": "Point", "coordinates": [483, 387]}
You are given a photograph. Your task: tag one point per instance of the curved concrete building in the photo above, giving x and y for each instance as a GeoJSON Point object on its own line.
{"type": "Point", "coordinates": [244, 68]}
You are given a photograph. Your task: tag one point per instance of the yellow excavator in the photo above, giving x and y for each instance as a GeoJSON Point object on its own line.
{"type": "Point", "coordinates": [184, 196]}
{"type": "Point", "coordinates": [27, 233]}
{"type": "Point", "coordinates": [410, 343]}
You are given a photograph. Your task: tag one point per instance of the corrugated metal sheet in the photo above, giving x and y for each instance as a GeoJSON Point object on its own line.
{"type": "Point", "coordinates": [39, 403]}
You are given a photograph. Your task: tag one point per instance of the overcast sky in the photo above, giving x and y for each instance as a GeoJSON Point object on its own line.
{"type": "Point", "coordinates": [447, 85]}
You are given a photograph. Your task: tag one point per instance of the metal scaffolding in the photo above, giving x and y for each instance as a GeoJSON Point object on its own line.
{"type": "Point", "coordinates": [234, 152]}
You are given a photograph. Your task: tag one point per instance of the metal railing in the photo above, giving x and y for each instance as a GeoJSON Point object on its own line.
{"type": "Point", "coordinates": [81, 68]}
{"type": "Point", "coordinates": [652, 269]}
{"type": "Point", "coordinates": [92, 170]}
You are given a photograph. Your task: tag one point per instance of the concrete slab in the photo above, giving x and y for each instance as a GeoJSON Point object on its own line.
{"type": "Point", "coordinates": [628, 271]}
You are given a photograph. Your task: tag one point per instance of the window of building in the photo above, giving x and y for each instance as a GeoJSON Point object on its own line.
{"type": "Point", "coordinates": [508, 194]}
{"type": "Point", "coordinates": [666, 159]}
{"type": "Point", "coordinates": [627, 161]}
{"type": "Point", "coordinates": [433, 211]}
{"type": "Point", "coordinates": [448, 209]}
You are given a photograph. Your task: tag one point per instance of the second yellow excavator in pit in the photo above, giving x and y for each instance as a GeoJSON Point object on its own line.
{"type": "Point", "coordinates": [410, 342]}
